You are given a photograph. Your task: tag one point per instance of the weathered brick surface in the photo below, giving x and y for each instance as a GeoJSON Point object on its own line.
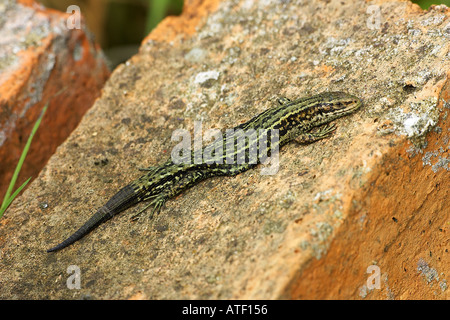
{"type": "Point", "coordinates": [372, 195]}
{"type": "Point", "coordinates": [40, 56]}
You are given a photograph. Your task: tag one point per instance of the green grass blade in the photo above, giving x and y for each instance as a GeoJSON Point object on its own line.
{"type": "Point", "coordinates": [8, 202]}
{"type": "Point", "coordinates": [7, 199]}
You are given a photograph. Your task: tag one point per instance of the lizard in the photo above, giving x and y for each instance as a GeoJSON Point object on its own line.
{"type": "Point", "coordinates": [295, 120]}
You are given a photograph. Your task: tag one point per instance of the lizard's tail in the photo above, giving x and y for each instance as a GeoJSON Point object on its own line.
{"type": "Point", "coordinates": [125, 198]}
{"type": "Point", "coordinates": [99, 217]}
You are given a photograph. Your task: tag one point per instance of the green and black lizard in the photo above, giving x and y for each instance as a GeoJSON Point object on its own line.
{"type": "Point", "coordinates": [292, 120]}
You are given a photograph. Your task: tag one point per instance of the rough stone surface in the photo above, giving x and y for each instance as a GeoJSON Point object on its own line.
{"type": "Point", "coordinates": [40, 56]}
{"type": "Point", "coordinates": [371, 198]}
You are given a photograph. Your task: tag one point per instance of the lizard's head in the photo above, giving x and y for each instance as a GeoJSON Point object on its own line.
{"type": "Point", "coordinates": [333, 105]}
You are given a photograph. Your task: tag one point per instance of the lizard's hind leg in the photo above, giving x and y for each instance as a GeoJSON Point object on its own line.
{"type": "Point", "coordinates": [157, 203]}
